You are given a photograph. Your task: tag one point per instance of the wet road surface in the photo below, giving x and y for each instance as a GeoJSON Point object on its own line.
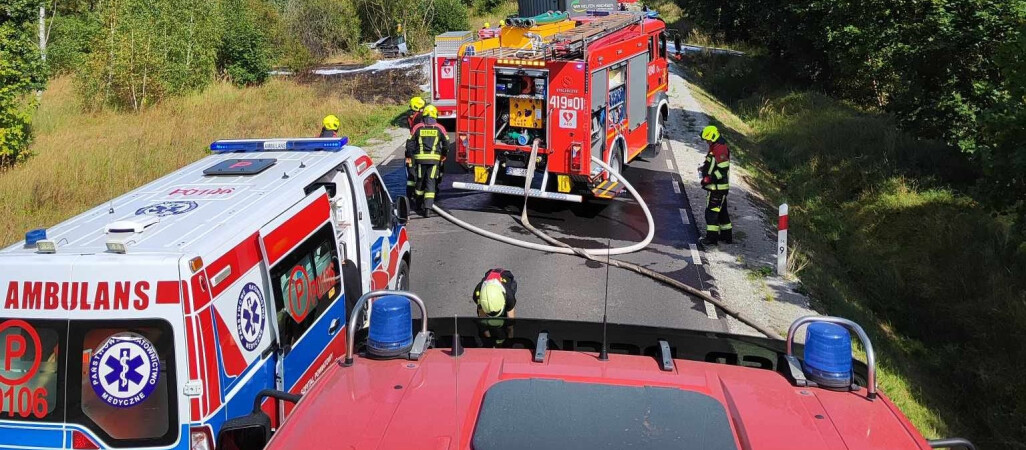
{"type": "Point", "coordinates": [448, 261]}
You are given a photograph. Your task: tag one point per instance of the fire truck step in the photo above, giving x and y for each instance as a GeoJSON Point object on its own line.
{"type": "Point", "coordinates": [512, 190]}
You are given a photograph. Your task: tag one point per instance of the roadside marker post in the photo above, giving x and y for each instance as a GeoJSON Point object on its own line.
{"type": "Point", "coordinates": [782, 241]}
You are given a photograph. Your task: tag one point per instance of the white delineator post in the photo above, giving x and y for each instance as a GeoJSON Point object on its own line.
{"type": "Point", "coordinates": [782, 241]}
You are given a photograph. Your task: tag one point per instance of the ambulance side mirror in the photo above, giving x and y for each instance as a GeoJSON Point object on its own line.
{"type": "Point", "coordinates": [252, 431]}
{"type": "Point", "coordinates": [402, 209]}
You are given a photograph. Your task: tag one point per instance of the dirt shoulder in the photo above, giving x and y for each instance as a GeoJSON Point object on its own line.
{"type": "Point", "coordinates": [742, 272]}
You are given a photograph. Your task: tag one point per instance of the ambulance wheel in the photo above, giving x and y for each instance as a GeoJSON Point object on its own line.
{"type": "Point", "coordinates": [402, 276]}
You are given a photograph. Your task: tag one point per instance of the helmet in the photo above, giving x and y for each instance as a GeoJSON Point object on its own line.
{"type": "Point", "coordinates": [417, 103]}
{"type": "Point", "coordinates": [431, 111]}
{"type": "Point", "coordinates": [710, 133]}
{"type": "Point", "coordinates": [331, 122]}
{"type": "Point", "coordinates": [493, 297]}
{"type": "Point", "coordinates": [487, 25]}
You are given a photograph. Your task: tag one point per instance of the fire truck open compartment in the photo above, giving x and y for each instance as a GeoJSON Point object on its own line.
{"type": "Point", "coordinates": [520, 113]}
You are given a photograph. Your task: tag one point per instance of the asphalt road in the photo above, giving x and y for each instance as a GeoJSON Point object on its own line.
{"type": "Point", "coordinates": [448, 261]}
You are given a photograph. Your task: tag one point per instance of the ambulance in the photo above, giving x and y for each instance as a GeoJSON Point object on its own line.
{"type": "Point", "coordinates": [149, 320]}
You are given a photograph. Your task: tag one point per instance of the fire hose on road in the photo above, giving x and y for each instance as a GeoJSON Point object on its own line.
{"type": "Point", "coordinates": [593, 254]}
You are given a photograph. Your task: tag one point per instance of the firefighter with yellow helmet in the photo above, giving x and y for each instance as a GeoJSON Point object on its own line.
{"type": "Point", "coordinates": [715, 173]}
{"type": "Point", "coordinates": [329, 126]}
{"type": "Point", "coordinates": [417, 105]}
{"type": "Point", "coordinates": [425, 152]}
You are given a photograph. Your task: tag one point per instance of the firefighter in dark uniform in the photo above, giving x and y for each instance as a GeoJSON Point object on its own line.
{"type": "Point", "coordinates": [716, 179]}
{"type": "Point", "coordinates": [329, 126]}
{"type": "Point", "coordinates": [425, 152]}
{"type": "Point", "coordinates": [496, 298]}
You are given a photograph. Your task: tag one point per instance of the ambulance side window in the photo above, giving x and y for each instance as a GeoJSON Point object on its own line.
{"type": "Point", "coordinates": [378, 202]}
{"type": "Point", "coordinates": [307, 282]}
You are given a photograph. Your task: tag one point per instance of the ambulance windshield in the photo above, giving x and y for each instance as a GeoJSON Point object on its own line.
{"type": "Point", "coordinates": [114, 379]}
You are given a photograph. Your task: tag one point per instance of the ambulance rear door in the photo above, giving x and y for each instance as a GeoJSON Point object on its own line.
{"type": "Point", "coordinates": [95, 346]}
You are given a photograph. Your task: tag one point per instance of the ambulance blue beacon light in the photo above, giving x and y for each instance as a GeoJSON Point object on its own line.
{"type": "Point", "coordinates": [828, 355]}
{"type": "Point", "coordinates": [278, 145]}
{"type": "Point", "coordinates": [391, 328]}
{"type": "Point", "coordinates": [34, 236]}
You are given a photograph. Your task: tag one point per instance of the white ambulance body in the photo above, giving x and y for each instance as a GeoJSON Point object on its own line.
{"type": "Point", "coordinates": [150, 319]}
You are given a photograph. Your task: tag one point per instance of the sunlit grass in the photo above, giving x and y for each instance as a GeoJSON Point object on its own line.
{"type": "Point", "coordinates": [82, 159]}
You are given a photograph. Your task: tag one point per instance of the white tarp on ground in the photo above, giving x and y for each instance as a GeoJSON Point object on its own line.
{"type": "Point", "coordinates": [386, 64]}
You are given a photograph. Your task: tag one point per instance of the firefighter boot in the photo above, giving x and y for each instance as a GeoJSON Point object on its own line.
{"type": "Point", "coordinates": [711, 238]}
{"type": "Point", "coordinates": [727, 235]}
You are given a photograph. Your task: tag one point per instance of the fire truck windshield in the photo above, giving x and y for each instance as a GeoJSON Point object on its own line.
{"type": "Point", "coordinates": [115, 378]}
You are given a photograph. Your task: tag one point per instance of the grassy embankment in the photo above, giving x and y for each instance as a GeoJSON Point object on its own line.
{"type": "Point", "coordinates": [81, 159]}
{"type": "Point", "coordinates": [895, 244]}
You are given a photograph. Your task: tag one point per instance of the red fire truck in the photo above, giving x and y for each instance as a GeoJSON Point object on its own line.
{"type": "Point", "coordinates": [596, 87]}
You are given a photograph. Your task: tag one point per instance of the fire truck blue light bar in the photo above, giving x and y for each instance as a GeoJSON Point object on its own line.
{"type": "Point", "coordinates": [279, 145]}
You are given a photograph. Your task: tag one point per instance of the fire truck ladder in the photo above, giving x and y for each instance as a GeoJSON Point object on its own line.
{"type": "Point", "coordinates": [477, 105]}
{"type": "Point", "coordinates": [573, 42]}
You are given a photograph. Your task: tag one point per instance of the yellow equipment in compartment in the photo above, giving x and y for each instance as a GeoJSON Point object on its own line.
{"type": "Point", "coordinates": [525, 112]}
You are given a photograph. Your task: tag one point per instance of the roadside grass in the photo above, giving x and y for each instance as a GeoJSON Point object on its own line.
{"type": "Point", "coordinates": [890, 240]}
{"type": "Point", "coordinates": [81, 159]}
{"type": "Point", "coordinates": [494, 17]}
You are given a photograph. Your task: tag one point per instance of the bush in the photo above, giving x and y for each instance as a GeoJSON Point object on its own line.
{"type": "Point", "coordinates": [155, 48]}
{"type": "Point", "coordinates": [243, 53]}
{"type": "Point", "coordinates": [21, 72]}
{"type": "Point", "coordinates": [449, 15]}
{"type": "Point", "coordinates": [323, 27]}
{"type": "Point", "coordinates": [71, 38]}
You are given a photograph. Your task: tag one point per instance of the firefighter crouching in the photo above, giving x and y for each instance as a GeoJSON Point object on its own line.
{"type": "Point", "coordinates": [716, 179]}
{"type": "Point", "coordinates": [425, 152]}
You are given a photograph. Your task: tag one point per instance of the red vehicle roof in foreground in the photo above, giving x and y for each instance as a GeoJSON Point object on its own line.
{"type": "Point", "coordinates": [436, 403]}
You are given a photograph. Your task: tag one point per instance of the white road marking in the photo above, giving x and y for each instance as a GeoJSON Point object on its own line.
{"type": "Point", "coordinates": [684, 217]}
{"type": "Point", "coordinates": [387, 160]}
{"type": "Point", "coordinates": [710, 310]}
{"type": "Point", "coordinates": [669, 164]}
{"type": "Point", "coordinates": [676, 186]}
{"type": "Point", "coordinates": [696, 258]}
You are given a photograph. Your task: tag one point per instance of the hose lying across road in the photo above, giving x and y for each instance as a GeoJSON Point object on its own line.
{"type": "Point", "coordinates": [592, 254]}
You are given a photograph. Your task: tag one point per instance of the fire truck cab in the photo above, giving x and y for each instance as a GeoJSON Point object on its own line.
{"type": "Point", "coordinates": [151, 319]}
{"type": "Point", "coordinates": [596, 86]}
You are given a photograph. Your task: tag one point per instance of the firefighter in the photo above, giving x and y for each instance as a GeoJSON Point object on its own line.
{"type": "Point", "coordinates": [416, 112]}
{"type": "Point", "coordinates": [676, 44]}
{"type": "Point", "coordinates": [496, 294]}
{"type": "Point", "coordinates": [716, 179]}
{"type": "Point", "coordinates": [425, 153]}
{"type": "Point", "coordinates": [496, 298]}
{"type": "Point", "coordinates": [486, 26]}
{"type": "Point", "coordinates": [329, 126]}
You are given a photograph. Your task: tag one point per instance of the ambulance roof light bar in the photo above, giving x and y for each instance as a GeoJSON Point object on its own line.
{"type": "Point", "coordinates": [333, 144]}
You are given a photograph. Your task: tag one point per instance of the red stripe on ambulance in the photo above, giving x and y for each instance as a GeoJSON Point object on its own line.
{"type": "Point", "coordinates": [295, 229]}
{"type": "Point", "coordinates": [238, 260]}
{"type": "Point", "coordinates": [190, 340]}
{"type": "Point", "coordinates": [234, 362]}
{"type": "Point", "coordinates": [169, 292]}
{"type": "Point", "coordinates": [212, 385]}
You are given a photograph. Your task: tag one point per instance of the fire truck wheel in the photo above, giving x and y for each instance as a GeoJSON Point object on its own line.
{"type": "Point", "coordinates": [402, 277]}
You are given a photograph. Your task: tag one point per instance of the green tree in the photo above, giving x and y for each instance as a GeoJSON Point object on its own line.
{"type": "Point", "coordinates": [21, 72]}
{"type": "Point", "coordinates": [150, 49]}
{"type": "Point", "coordinates": [450, 15]}
{"type": "Point", "coordinates": [323, 27]}
{"type": "Point", "coordinates": [1004, 134]}
{"type": "Point", "coordinates": [243, 55]}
